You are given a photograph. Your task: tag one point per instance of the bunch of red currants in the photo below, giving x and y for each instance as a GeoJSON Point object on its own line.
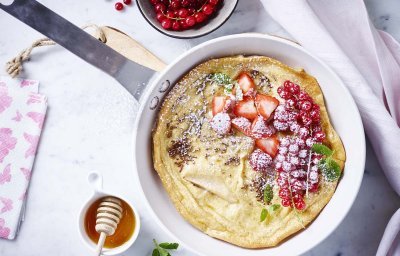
{"type": "Point", "coordinates": [183, 14]}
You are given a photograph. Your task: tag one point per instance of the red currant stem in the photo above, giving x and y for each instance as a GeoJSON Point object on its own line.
{"type": "Point", "coordinates": [171, 17]}
{"type": "Point", "coordinates": [296, 213]}
{"type": "Point", "coordinates": [308, 165]}
{"type": "Point", "coordinates": [308, 171]}
{"type": "Point", "coordinates": [201, 8]}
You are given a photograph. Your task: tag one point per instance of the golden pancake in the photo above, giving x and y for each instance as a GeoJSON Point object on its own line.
{"type": "Point", "coordinates": [221, 175]}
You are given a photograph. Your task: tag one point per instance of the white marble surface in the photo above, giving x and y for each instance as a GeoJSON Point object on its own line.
{"type": "Point", "coordinates": [89, 125]}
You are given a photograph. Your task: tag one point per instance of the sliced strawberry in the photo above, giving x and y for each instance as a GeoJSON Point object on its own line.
{"type": "Point", "coordinates": [221, 123]}
{"type": "Point", "coordinates": [266, 105]}
{"type": "Point", "coordinates": [242, 124]}
{"type": "Point", "coordinates": [260, 128]}
{"type": "Point", "coordinates": [218, 104]}
{"type": "Point", "coordinates": [246, 83]}
{"type": "Point", "coordinates": [268, 145]}
{"type": "Point", "coordinates": [246, 108]}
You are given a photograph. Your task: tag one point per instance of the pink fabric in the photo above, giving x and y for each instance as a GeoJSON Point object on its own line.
{"type": "Point", "coordinates": [22, 113]}
{"type": "Point", "coordinates": [368, 62]}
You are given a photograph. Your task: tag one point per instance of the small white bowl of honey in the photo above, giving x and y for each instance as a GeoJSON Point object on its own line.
{"type": "Point", "coordinates": [126, 231]}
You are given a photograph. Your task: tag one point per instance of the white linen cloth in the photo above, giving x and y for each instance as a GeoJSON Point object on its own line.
{"type": "Point", "coordinates": [368, 62]}
{"type": "Point", "coordinates": [22, 113]}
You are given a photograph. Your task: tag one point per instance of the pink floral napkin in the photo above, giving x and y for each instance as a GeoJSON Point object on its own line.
{"type": "Point", "coordinates": [22, 112]}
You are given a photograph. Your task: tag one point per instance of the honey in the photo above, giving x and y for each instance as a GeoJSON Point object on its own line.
{"type": "Point", "coordinates": [124, 229]}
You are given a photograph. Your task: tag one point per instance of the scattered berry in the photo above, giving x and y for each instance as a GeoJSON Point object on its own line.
{"type": "Point", "coordinates": [259, 160]}
{"type": "Point", "coordinates": [119, 6]}
{"type": "Point", "coordinates": [221, 123]}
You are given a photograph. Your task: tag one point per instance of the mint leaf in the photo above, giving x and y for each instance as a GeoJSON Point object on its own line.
{"type": "Point", "coordinates": [161, 251]}
{"type": "Point", "coordinates": [329, 168]}
{"type": "Point", "coordinates": [263, 214]}
{"type": "Point", "coordinates": [169, 246]}
{"type": "Point", "coordinates": [275, 207]}
{"type": "Point", "coordinates": [268, 194]}
{"type": "Point", "coordinates": [322, 149]}
{"type": "Point", "coordinates": [221, 78]}
{"type": "Point", "coordinates": [155, 253]}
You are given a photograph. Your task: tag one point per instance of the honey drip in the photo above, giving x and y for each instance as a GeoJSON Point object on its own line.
{"type": "Point", "coordinates": [124, 229]}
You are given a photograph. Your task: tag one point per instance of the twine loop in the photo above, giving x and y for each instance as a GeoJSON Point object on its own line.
{"type": "Point", "coordinates": [14, 66]}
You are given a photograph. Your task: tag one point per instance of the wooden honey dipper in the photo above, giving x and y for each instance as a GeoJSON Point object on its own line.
{"type": "Point", "coordinates": [109, 213]}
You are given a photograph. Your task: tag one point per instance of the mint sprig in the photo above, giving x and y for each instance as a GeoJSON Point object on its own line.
{"type": "Point", "coordinates": [225, 80]}
{"type": "Point", "coordinates": [221, 78]}
{"type": "Point", "coordinates": [330, 168]}
{"type": "Point", "coordinates": [162, 249]}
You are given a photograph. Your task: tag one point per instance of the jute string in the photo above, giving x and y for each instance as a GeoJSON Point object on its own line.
{"type": "Point", "coordinates": [14, 66]}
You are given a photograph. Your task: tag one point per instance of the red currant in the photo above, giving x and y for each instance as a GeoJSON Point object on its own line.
{"type": "Point", "coordinates": [208, 9]}
{"type": "Point", "coordinates": [190, 21]}
{"type": "Point", "coordinates": [295, 89]}
{"type": "Point", "coordinates": [200, 17]}
{"type": "Point", "coordinates": [185, 3]}
{"type": "Point", "coordinates": [154, 2]}
{"type": "Point", "coordinates": [299, 203]}
{"type": "Point", "coordinates": [166, 23]}
{"type": "Point", "coordinates": [287, 84]}
{"type": "Point", "coordinates": [183, 24]}
{"type": "Point", "coordinates": [286, 202]}
{"type": "Point", "coordinates": [303, 96]}
{"type": "Point", "coordinates": [175, 4]}
{"type": "Point", "coordinates": [313, 187]}
{"type": "Point", "coordinates": [284, 193]}
{"type": "Point", "coordinates": [159, 8]}
{"type": "Point", "coordinates": [127, 2]}
{"type": "Point", "coordinates": [171, 14]}
{"type": "Point", "coordinates": [183, 13]}
{"type": "Point", "coordinates": [119, 6]}
{"type": "Point", "coordinates": [319, 136]}
{"type": "Point", "coordinates": [285, 94]}
{"type": "Point", "coordinates": [314, 114]}
{"type": "Point", "coordinates": [160, 16]}
{"type": "Point", "coordinates": [214, 2]}
{"type": "Point", "coordinates": [176, 26]}
{"type": "Point", "coordinates": [306, 105]}
{"type": "Point", "coordinates": [191, 11]}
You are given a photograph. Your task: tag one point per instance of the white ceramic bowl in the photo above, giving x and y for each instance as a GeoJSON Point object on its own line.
{"type": "Point", "coordinates": [217, 20]}
{"type": "Point", "coordinates": [96, 181]}
{"type": "Point", "coordinates": [342, 111]}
